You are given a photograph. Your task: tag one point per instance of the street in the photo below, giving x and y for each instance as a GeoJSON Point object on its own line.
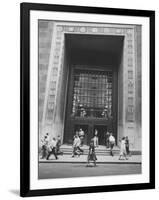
{"type": "Point", "coordinates": [67, 170]}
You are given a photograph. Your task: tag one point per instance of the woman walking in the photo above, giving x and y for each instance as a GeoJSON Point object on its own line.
{"type": "Point", "coordinates": [123, 149]}
{"type": "Point", "coordinates": [127, 146]}
{"type": "Point", "coordinates": [91, 153]}
{"type": "Point", "coordinates": [95, 138]}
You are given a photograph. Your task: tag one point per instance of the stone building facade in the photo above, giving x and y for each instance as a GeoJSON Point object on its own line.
{"type": "Point", "coordinates": [65, 44]}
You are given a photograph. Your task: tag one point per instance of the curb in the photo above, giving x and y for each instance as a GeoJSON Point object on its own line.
{"type": "Point", "coordinates": [84, 162]}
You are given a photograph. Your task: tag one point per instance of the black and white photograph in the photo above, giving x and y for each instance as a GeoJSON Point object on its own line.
{"type": "Point", "coordinates": [87, 89]}
{"type": "Point", "coordinates": [79, 99]}
{"type": "Point", "coordinates": [89, 99]}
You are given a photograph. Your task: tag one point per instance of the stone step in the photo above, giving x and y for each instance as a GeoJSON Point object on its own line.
{"type": "Point", "coordinates": [99, 151]}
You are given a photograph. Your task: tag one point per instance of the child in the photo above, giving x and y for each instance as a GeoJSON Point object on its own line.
{"type": "Point", "coordinates": [91, 153]}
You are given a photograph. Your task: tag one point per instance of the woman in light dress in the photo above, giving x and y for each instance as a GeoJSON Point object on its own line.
{"type": "Point", "coordinates": [123, 149]}
{"type": "Point", "coordinates": [95, 138]}
{"type": "Point", "coordinates": [91, 154]}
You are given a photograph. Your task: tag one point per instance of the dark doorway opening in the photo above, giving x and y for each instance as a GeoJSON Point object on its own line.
{"type": "Point", "coordinates": [92, 89]}
{"type": "Point", "coordinates": [84, 128]}
{"type": "Point", "coordinates": [102, 130]}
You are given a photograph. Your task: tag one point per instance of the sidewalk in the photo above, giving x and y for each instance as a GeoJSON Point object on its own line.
{"type": "Point", "coordinates": [135, 159]}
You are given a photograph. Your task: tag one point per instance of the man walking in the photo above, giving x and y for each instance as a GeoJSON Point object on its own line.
{"type": "Point", "coordinates": [52, 149]}
{"type": "Point", "coordinates": [81, 136]}
{"type": "Point", "coordinates": [58, 145]}
{"type": "Point", "coordinates": [112, 143]}
{"type": "Point", "coordinates": [127, 146]}
{"type": "Point", "coordinates": [107, 139]}
{"type": "Point", "coordinates": [44, 147]}
{"type": "Point", "coordinates": [76, 146]}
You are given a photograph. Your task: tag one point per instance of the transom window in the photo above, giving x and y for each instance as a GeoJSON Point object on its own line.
{"type": "Point", "coordinates": [92, 94]}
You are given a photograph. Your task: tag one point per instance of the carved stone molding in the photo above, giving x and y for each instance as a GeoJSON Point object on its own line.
{"type": "Point", "coordinates": [128, 65]}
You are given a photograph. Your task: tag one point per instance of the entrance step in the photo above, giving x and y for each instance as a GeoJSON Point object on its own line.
{"type": "Point", "coordinates": [101, 150]}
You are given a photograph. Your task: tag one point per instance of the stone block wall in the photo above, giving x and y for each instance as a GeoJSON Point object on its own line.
{"type": "Point", "coordinates": [45, 36]}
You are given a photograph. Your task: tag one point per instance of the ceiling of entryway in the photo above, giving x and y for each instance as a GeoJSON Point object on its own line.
{"type": "Point", "coordinates": [99, 43]}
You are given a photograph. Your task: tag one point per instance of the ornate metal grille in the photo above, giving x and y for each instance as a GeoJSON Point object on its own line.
{"type": "Point", "coordinates": [92, 94]}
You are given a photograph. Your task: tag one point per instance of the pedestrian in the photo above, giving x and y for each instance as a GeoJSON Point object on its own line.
{"type": "Point", "coordinates": [58, 145]}
{"type": "Point", "coordinates": [81, 136]}
{"type": "Point", "coordinates": [107, 139]}
{"type": "Point", "coordinates": [111, 143]}
{"type": "Point", "coordinates": [91, 153]}
{"type": "Point", "coordinates": [74, 149]}
{"type": "Point", "coordinates": [44, 147]}
{"type": "Point", "coordinates": [76, 134]}
{"type": "Point", "coordinates": [76, 146]}
{"type": "Point", "coordinates": [95, 138]}
{"type": "Point", "coordinates": [127, 146]}
{"type": "Point", "coordinates": [122, 149]}
{"type": "Point", "coordinates": [52, 149]}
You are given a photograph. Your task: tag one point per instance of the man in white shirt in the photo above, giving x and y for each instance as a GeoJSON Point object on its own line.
{"type": "Point", "coordinates": [112, 143]}
{"type": "Point", "coordinates": [76, 146]}
{"type": "Point", "coordinates": [81, 136]}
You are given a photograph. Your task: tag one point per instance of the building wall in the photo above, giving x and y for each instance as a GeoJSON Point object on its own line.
{"type": "Point", "coordinates": [45, 37]}
{"type": "Point", "coordinates": [138, 82]}
{"type": "Point", "coordinates": [120, 99]}
{"type": "Point", "coordinates": [52, 88]}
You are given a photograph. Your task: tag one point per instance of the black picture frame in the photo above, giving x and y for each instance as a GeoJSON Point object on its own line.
{"type": "Point", "coordinates": [25, 9]}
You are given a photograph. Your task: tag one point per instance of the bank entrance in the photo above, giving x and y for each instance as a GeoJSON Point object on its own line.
{"type": "Point", "coordinates": [92, 87]}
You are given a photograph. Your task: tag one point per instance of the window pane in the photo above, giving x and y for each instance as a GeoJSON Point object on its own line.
{"type": "Point", "coordinates": [92, 94]}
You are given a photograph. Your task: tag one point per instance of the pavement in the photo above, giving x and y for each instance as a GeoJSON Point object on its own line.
{"type": "Point", "coordinates": [134, 159]}
{"type": "Point", "coordinates": [71, 170]}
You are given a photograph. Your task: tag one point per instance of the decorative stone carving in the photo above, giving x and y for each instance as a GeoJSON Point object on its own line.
{"type": "Point", "coordinates": [130, 113]}
{"type": "Point", "coordinates": [130, 109]}
{"type": "Point", "coordinates": [83, 29]}
{"type": "Point", "coordinates": [130, 86]}
{"type": "Point", "coordinates": [59, 28]}
{"type": "Point", "coordinates": [94, 30]}
{"type": "Point", "coordinates": [71, 29]}
{"type": "Point", "coordinates": [130, 101]}
{"type": "Point", "coordinates": [50, 105]}
{"type": "Point", "coordinates": [101, 30]}
{"type": "Point", "coordinates": [53, 84]}
{"type": "Point", "coordinates": [52, 91]}
{"type": "Point", "coordinates": [130, 61]}
{"type": "Point", "coordinates": [118, 31]}
{"type": "Point", "coordinates": [130, 74]}
{"type": "Point", "coordinates": [49, 115]}
{"type": "Point", "coordinates": [106, 30]}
